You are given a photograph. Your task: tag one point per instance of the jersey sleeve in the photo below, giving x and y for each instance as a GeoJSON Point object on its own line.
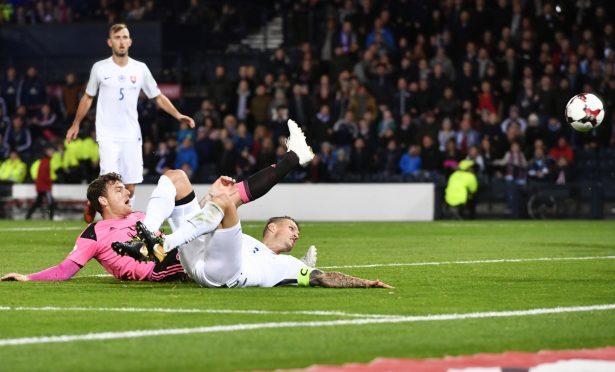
{"type": "Point", "coordinates": [92, 87]}
{"type": "Point", "coordinates": [150, 87]}
{"type": "Point", "coordinates": [85, 247]}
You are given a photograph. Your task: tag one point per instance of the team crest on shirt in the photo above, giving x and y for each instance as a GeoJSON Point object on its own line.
{"type": "Point", "coordinates": [121, 78]}
{"type": "Point", "coordinates": [133, 79]}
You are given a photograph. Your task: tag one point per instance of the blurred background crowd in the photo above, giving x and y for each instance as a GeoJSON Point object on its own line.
{"type": "Point", "coordinates": [387, 91]}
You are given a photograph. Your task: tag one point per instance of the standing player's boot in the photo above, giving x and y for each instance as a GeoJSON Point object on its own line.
{"type": "Point", "coordinates": [310, 256]}
{"type": "Point", "coordinates": [297, 144]}
{"type": "Point", "coordinates": [154, 244]}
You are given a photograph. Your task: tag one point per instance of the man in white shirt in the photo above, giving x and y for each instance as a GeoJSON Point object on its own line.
{"type": "Point", "coordinates": [118, 81]}
{"type": "Point", "coordinates": [212, 248]}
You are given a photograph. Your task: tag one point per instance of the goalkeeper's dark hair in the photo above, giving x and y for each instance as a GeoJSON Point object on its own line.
{"type": "Point", "coordinates": [278, 219]}
{"type": "Point", "coordinates": [98, 188]}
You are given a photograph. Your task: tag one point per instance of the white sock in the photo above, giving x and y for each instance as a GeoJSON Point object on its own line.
{"type": "Point", "coordinates": [161, 204]}
{"type": "Point", "coordinates": [204, 221]}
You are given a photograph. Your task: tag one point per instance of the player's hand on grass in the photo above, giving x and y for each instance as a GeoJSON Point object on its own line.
{"type": "Point", "coordinates": [186, 119]}
{"type": "Point", "coordinates": [378, 284]}
{"type": "Point", "coordinates": [14, 277]}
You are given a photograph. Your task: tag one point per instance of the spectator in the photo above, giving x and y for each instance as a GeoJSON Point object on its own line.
{"type": "Point", "coordinates": [460, 188]}
{"type": "Point", "coordinates": [474, 154]}
{"type": "Point", "coordinates": [562, 171]}
{"type": "Point", "coordinates": [70, 96]}
{"type": "Point", "coordinates": [513, 117]}
{"type": "Point", "coordinates": [184, 132]}
{"type": "Point", "coordinates": [401, 99]}
{"type": "Point", "coordinates": [32, 91]}
{"type": "Point", "coordinates": [445, 134]}
{"type": "Point", "coordinates": [387, 123]}
{"type": "Point", "coordinates": [220, 89]}
{"type": "Point", "coordinates": [361, 102]}
{"type": "Point", "coordinates": [9, 88]}
{"type": "Point", "coordinates": [538, 169]}
{"type": "Point", "coordinates": [448, 105]}
{"type": "Point", "coordinates": [410, 162]}
{"type": "Point", "coordinates": [228, 161]}
{"type": "Point", "coordinates": [207, 110]}
{"type": "Point", "coordinates": [240, 106]}
{"type": "Point", "coordinates": [187, 159]}
{"type": "Point", "coordinates": [299, 106]}
{"type": "Point", "coordinates": [13, 169]}
{"type": "Point", "coordinates": [562, 149]}
{"type": "Point", "coordinates": [450, 157]}
{"type": "Point", "coordinates": [259, 106]}
{"type": "Point", "coordinates": [19, 138]}
{"type": "Point", "coordinates": [360, 161]}
{"type": "Point", "coordinates": [43, 173]}
{"type": "Point", "coordinates": [321, 129]}
{"type": "Point", "coordinates": [45, 124]}
{"type": "Point", "coordinates": [515, 164]}
{"type": "Point", "coordinates": [345, 131]}
{"type": "Point", "coordinates": [466, 136]}
{"type": "Point", "coordinates": [406, 134]}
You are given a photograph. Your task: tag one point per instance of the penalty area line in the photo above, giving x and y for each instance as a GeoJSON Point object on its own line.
{"type": "Point", "coordinates": [309, 324]}
{"type": "Point", "coordinates": [504, 260]}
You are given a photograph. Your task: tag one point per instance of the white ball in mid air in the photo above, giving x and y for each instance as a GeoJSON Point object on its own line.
{"type": "Point", "coordinates": [584, 112]}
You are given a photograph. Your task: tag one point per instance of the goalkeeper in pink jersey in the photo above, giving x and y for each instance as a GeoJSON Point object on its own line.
{"type": "Point", "coordinates": [109, 197]}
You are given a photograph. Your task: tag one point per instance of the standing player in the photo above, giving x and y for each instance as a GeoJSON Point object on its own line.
{"type": "Point", "coordinates": [118, 81]}
{"type": "Point", "coordinates": [110, 198]}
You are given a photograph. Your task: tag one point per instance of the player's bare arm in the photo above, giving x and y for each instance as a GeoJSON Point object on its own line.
{"type": "Point", "coordinates": [339, 280]}
{"type": "Point", "coordinates": [165, 103]}
{"type": "Point", "coordinates": [84, 106]}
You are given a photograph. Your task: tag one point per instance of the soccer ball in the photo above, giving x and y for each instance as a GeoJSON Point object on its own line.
{"type": "Point", "coordinates": [584, 112]}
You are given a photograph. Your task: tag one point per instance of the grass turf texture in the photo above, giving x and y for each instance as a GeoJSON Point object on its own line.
{"type": "Point", "coordinates": [420, 290]}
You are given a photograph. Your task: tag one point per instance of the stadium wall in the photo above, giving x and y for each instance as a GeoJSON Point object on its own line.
{"type": "Point", "coordinates": [305, 202]}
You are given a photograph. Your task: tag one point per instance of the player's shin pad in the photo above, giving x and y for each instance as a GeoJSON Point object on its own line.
{"type": "Point", "coordinates": [202, 222]}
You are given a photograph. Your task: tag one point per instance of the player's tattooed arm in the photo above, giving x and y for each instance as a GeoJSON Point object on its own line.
{"type": "Point", "coordinates": [339, 280]}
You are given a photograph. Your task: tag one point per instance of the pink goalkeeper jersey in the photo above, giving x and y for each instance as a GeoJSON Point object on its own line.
{"type": "Point", "coordinates": [95, 242]}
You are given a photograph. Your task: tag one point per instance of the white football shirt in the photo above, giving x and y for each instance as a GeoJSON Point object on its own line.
{"type": "Point", "coordinates": [261, 267]}
{"type": "Point", "coordinates": [118, 91]}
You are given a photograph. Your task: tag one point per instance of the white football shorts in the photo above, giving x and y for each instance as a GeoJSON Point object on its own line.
{"type": "Point", "coordinates": [125, 158]}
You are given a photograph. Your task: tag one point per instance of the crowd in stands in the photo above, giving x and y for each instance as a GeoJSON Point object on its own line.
{"type": "Point", "coordinates": [222, 20]}
{"type": "Point", "coordinates": [386, 90]}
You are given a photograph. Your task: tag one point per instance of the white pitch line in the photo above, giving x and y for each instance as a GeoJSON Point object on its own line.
{"type": "Point", "coordinates": [437, 263]}
{"type": "Point", "coordinates": [310, 324]}
{"type": "Point", "coordinates": [504, 260]}
{"type": "Point", "coordinates": [40, 228]}
{"type": "Point", "coordinates": [192, 311]}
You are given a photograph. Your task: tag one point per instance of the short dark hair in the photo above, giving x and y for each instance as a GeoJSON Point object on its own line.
{"type": "Point", "coordinates": [278, 219]}
{"type": "Point", "coordinates": [98, 188]}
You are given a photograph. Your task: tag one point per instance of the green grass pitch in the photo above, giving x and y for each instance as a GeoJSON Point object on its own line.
{"type": "Point", "coordinates": [293, 337]}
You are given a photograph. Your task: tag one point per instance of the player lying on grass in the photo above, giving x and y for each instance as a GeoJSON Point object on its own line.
{"type": "Point", "coordinates": [108, 195]}
{"type": "Point", "coordinates": [224, 257]}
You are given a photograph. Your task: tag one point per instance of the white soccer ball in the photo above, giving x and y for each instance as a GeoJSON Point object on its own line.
{"type": "Point", "coordinates": [584, 112]}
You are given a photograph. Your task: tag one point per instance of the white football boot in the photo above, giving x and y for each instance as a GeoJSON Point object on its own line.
{"type": "Point", "coordinates": [297, 144]}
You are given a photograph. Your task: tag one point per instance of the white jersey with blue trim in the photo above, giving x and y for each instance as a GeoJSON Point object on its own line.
{"type": "Point", "coordinates": [262, 267]}
{"type": "Point", "coordinates": [118, 89]}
